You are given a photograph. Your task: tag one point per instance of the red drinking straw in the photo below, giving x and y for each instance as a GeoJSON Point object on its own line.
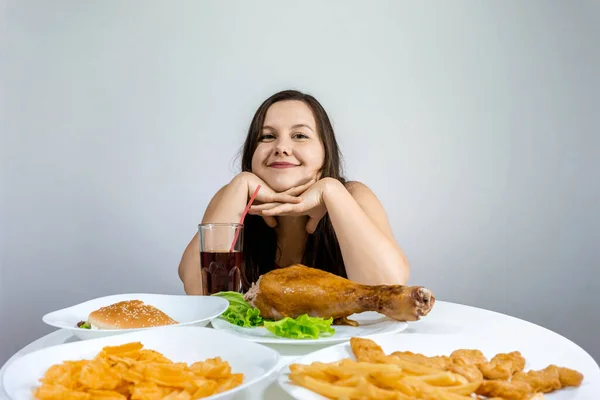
{"type": "Point", "coordinates": [237, 232]}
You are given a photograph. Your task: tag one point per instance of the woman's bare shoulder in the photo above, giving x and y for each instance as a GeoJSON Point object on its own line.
{"type": "Point", "coordinates": [370, 203]}
{"type": "Point", "coordinates": [356, 186]}
{"type": "Point", "coordinates": [362, 194]}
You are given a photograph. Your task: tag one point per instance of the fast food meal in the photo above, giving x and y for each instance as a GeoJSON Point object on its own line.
{"type": "Point", "coordinates": [299, 302]}
{"type": "Point", "coordinates": [130, 372]}
{"type": "Point", "coordinates": [298, 289]}
{"type": "Point", "coordinates": [127, 314]}
{"type": "Point", "coordinates": [465, 374]}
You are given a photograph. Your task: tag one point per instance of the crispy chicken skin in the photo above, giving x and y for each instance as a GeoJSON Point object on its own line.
{"type": "Point", "coordinates": [298, 289]}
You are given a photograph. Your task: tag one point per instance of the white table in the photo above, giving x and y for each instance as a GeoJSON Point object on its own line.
{"type": "Point", "coordinates": [446, 319]}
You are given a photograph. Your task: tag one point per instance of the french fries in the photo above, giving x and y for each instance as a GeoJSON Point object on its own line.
{"type": "Point", "coordinates": [349, 379]}
{"type": "Point", "coordinates": [130, 372]}
{"type": "Point", "coordinates": [409, 376]}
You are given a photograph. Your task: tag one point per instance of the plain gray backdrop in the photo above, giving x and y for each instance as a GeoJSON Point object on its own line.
{"type": "Point", "coordinates": [474, 122]}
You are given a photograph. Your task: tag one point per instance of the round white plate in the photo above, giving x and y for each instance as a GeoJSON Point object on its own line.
{"type": "Point", "coordinates": [187, 310]}
{"type": "Point", "coordinates": [371, 323]}
{"type": "Point", "coordinates": [180, 344]}
{"type": "Point", "coordinates": [538, 354]}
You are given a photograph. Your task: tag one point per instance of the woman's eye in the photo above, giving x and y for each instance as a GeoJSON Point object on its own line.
{"type": "Point", "coordinates": [266, 136]}
{"type": "Point", "coordinates": [301, 136]}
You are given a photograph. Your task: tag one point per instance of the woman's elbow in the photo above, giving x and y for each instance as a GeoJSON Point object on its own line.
{"type": "Point", "coordinates": [402, 268]}
{"type": "Point", "coordinates": [394, 273]}
{"type": "Point", "coordinates": [398, 272]}
{"type": "Point", "coordinates": [404, 274]}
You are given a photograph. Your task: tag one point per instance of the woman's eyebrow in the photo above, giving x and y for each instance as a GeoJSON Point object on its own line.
{"type": "Point", "coordinates": [293, 127]}
{"type": "Point", "coordinates": [302, 126]}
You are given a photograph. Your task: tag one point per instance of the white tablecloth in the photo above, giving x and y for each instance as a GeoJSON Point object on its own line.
{"type": "Point", "coordinates": [446, 319]}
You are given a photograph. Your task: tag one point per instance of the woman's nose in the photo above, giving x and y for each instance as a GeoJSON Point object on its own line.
{"type": "Point", "coordinates": [283, 149]}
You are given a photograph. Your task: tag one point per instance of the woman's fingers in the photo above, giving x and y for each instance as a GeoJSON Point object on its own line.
{"type": "Point", "coordinates": [270, 210]}
{"type": "Point", "coordinates": [265, 206]}
{"type": "Point", "coordinates": [283, 198]}
{"type": "Point", "coordinates": [295, 191]}
{"type": "Point", "coordinates": [289, 196]}
{"type": "Point", "coordinates": [270, 221]}
{"type": "Point", "coordinates": [282, 209]}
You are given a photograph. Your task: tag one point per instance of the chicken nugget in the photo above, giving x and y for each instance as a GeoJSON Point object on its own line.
{"type": "Point", "coordinates": [569, 377]}
{"type": "Point", "coordinates": [506, 390]}
{"type": "Point", "coordinates": [470, 371]}
{"type": "Point", "coordinates": [545, 380]}
{"type": "Point", "coordinates": [366, 350]}
{"type": "Point", "coordinates": [469, 356]}
{"type": "Point", "coordinates": [440, 362]}
{"type": "Point", "coordinates": [503, 365]}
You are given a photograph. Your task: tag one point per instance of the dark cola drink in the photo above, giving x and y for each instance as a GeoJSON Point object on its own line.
{"type": "Point", "coordinates": [221, 271]}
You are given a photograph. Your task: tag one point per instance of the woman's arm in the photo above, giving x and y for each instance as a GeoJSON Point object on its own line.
{"type": "Point", "coordinates": [226, 205]}
{"type": "Point", "coordinates": [370, 252]}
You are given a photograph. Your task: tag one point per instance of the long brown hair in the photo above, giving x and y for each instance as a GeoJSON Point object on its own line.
{"type": "Point", "coordinates": [322, 249]}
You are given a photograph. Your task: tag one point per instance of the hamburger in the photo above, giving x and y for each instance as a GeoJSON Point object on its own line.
{"type": "Point", "coordinates": [129, 314]}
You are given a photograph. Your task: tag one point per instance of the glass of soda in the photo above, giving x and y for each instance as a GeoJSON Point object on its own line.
{"type": "Point", "coordinates": [220, 263]}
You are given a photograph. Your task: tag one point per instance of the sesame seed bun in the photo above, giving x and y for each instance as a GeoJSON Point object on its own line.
{"type": "Point", "coordinates": [130, 314]}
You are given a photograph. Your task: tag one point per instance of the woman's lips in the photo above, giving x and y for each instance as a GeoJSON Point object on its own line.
{"type": "Point", "coordinates": [282, 165]}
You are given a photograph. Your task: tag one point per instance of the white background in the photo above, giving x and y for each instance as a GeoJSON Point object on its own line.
{"type": "Point", "coordinates": [474, 122]}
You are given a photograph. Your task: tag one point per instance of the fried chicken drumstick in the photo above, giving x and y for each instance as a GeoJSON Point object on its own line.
{"type": "Point", "coordinates": [298, 289]}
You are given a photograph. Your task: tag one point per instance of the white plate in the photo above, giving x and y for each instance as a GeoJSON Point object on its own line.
{"type": "Point", "coordinates": [180, 344]}
{"type": "Point", "coordinates": [187, 310]}
{"type": "Point", "coordinates": [538, 354]}
{"type": "Point", "coordinates": [371, 323]}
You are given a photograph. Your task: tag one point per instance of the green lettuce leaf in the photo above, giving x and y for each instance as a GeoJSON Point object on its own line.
{"type": "Point", "coordinates": [242, 314]}
{"type": "Point", "coordinates": [239, 312]}
{"type": "Point", "coordinates": [303, 327]}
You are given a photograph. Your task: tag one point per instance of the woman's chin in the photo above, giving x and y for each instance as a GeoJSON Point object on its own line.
{"type": "Point", "coordinates": [281, 185]}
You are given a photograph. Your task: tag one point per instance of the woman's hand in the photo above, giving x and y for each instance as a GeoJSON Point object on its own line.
{"type": "Point", "coordinates": [309, 202]}
{"type": "Point", "coordinates": [266, 195]}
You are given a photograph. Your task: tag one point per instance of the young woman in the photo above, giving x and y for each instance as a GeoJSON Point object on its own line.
{"type": "Point", "coordinates": [305, 211]}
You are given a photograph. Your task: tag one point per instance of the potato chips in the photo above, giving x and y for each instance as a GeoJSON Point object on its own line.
{"type": "Point", "coordinates": [130, 372]}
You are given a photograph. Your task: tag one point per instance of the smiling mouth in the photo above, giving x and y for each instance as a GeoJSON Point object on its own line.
{"type": "Point", "coordinates": [281, 165]}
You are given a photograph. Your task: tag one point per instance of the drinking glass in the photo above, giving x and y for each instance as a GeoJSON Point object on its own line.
{"type": "Point", "coordinates": [220, 263]}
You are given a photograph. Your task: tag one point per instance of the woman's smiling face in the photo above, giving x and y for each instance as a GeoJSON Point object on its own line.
{"type": "Point", "coordinates": [290, 151]}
